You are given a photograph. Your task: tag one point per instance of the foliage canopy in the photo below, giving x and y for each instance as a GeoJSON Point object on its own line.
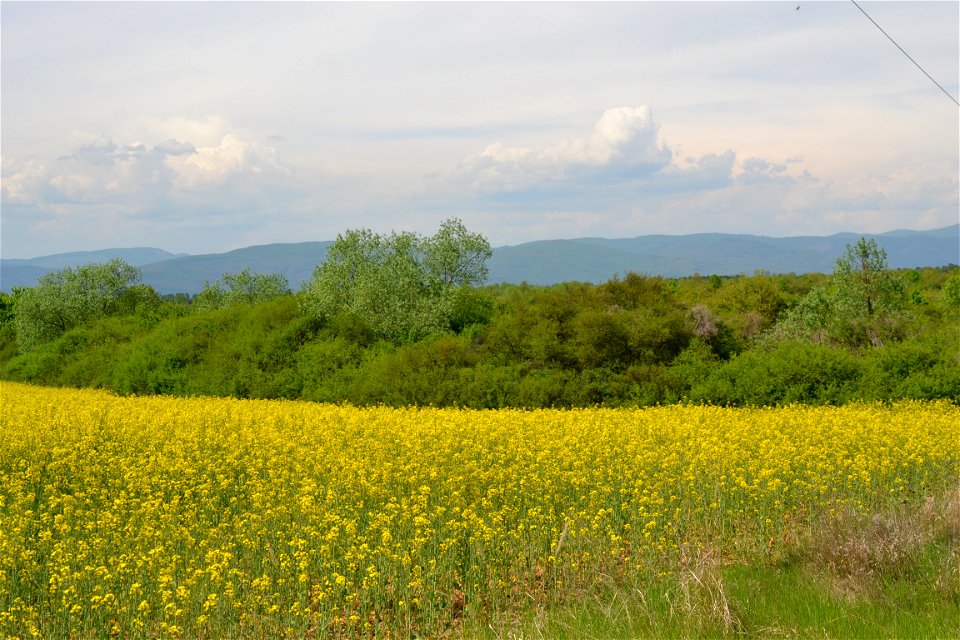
{"type": "Point", "coordinates": [236, 288]}
{"type": "Point", "coordinates": [403, 286]}
{"type": "Point", "coordinates": [66, 298]}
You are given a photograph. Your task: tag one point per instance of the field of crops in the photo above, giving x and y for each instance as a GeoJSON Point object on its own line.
{"type": "Point", "coordinates": [173, 517]}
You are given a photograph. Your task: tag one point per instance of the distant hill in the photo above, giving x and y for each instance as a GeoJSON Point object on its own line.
{"type": "Point", "coordinates": [188, 274]}
{"type": "Point", "coordinates": [19, 275]}
{"type": "Point", "coordinates": [137, 256]}
{"type": "Point", "coordinates": [597, 259]}
{"type": "Point", "coordinates": [541, 262]}
{"type": "Point", "coordinates": [17, 272]}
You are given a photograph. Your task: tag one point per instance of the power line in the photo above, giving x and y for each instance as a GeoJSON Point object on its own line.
{"type": "Point", "coordinates": [904, 52]}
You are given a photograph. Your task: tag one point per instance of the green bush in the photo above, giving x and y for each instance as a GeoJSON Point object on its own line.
{"type": "Point", "coordinates": [426, 373]}
{"type": "Point", "coordinates": [544, 388]}
{"type": "Point", "coordinates": [793, 372]}
{"type": "Point", "coordinates": [328, 367]}
{"type": "Point", "coordinates": [84, 356]}
{"type": "Point", "coordinates": [489, 386]}
{"type": "Point", "coordinates": [925, 369]}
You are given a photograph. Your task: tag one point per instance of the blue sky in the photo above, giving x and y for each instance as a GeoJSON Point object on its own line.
{"type": "Point", "coordinates": [204, 127]}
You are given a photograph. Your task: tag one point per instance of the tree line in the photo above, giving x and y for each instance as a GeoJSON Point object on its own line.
{"type": "Point", "coordinates": [404, 319]}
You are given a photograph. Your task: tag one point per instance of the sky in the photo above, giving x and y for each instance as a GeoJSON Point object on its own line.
{"type": "Point", "coordinates": [206, 127]}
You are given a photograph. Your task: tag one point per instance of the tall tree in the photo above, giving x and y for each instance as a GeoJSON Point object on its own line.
{"type": "Point", "coordinates": [868, 298]}
{"type": "Point", "coordinates": [455, 256]}
{"type": "Point", "coordinates": [864, 282]}
{"type": "Point", "coordinates": [864, 301]}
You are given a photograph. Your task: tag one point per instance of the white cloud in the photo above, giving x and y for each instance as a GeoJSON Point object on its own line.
{"type": "Point", "coordinates": [622, 180]}
{"type": "Point", "coordinates": [101, 167]}
{"type": "Point", "coordinates": [174, 147]}
{"type": "Point", "coordinates": [204, 131]}
{"type": "Point", "coordinates": [624, 142]}
{"type": "Point", "coordinates": [214, 165]}
{"type": "Point", "coordinates": [777, 199]}
{"type": "Point", "coordinates": [210, 107]}
{"type": "Point", "coordinates": [22, 180]}
{"type": "Point", "coordinates": [102, 188]}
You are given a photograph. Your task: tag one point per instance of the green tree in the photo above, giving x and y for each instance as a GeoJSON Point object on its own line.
{"type": "Point", "coordinates": [402, 286]}
{"type": "Point", "coordinates": [456, 257]}
{"type": "Point", "coordinates": [951, 294]}
{"type": "Point", "coordinates": [864, 302]}
{"type": "Point", "coordinates": [69, 297]}
{"type": "Point", "coordinates": [243, 287]}
{"type": "Point", "coordinates": [808, 319]}
{"type": "Point", "coordinates": [865, 286]}
{"type": "Point", "coordinates": [868, 298]}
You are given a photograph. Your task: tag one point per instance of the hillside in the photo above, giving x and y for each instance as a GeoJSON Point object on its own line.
{"type": "Point", "coordinates": [597, 259]}
{"type": "Point", "coordinates": [18, 272]}
{"type": "Point", "coordinates": [544, 262]}
{"type": "Point", "coordinates": [188, 274]}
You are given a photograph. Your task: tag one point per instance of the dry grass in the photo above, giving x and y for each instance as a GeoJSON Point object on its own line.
{"type": "Point", "coordinates": [700, 595]}
{"type": "Point", "coordinates": [856, 554]}
{"type": "Point", "coordinates": [894, 573]}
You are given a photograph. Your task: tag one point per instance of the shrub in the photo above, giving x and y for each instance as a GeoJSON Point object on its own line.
{"type": "Point", "coordinates": [793, 372]}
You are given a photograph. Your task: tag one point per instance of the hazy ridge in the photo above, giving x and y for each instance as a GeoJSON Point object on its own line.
{"type": "Point", "coordinates": [540, 262]}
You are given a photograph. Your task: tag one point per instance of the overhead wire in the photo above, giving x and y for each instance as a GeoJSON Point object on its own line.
{"type": "Point", "coordinates": [905, 53]}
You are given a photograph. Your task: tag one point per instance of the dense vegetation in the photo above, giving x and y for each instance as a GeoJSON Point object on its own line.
{"type": "Point", "coordinates": [401, 320]}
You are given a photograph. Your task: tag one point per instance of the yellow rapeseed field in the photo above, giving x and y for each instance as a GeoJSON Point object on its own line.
{"type": "Point", "coordinates": [209, 517]}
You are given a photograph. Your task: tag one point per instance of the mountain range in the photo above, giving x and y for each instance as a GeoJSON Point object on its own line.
{"type": "Point", "coordinates": [542, 262]}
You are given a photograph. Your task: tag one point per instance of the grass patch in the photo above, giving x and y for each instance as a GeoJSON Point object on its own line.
{"type": "Point", "coordinates": [894, 574]}
{"type": "Point", "coordinates": [788, 602]}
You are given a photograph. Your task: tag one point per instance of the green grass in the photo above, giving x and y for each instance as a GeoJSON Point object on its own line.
{"type": "Point", "coordinates": [890, 575]}
{"type": "Point", "coordinates": [784, 602]}
{"type": "Point", "coordinates": [790, 603]}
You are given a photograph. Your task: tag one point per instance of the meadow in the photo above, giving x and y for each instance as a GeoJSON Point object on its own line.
{"type": "Point", "coordinates": [161, 517]}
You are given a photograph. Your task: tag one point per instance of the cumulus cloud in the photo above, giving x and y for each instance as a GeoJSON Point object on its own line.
{"type": "Point", "coordinates": [624, 144]}
{"type": "Point", "coordinates": [214, 165]}
{"type": "Point", "coordinates": [623, 180]}
{"type": "Point", "coordinates": [774, 198]}
{"type": "Point", "coordinates": [103, 186]}
{"type": "Point", "coordinates": [709, 171]}
{"type": "Point", "coordinates": [619, 178]}
{"type": "Point", "coordinates": [22, 181]}
{"type": "Point", "coordinates": [604, 176]}
{"type": "Point", "coordinates": [102, 169]}
{"type": "Point", "coordinates": [206, 131]}
{"type": "Point", "coordinates": [100, 151]}
{"type": "Point", "coordinates": [759, 170]}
